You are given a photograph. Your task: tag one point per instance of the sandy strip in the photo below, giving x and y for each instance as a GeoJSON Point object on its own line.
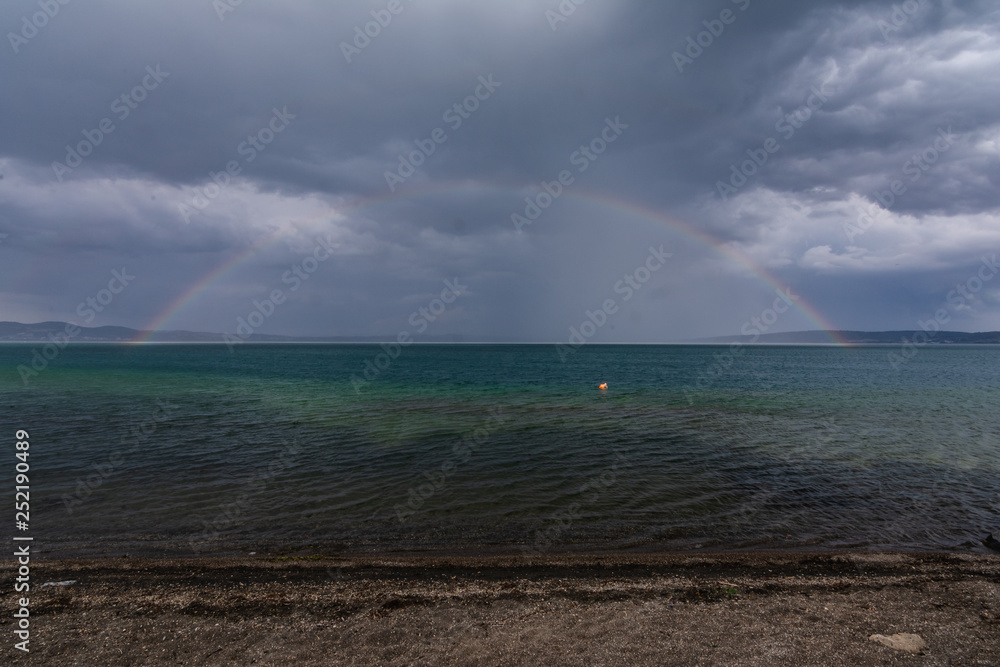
{"type": "Point", "coordinates": [733, 609]}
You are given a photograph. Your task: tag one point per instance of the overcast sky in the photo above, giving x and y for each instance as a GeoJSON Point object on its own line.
{"type": "Point", "coordinates": [744, 137]}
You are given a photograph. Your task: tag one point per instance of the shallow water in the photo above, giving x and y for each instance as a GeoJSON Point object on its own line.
{"type": "Point", "coordinates": [274, 446]}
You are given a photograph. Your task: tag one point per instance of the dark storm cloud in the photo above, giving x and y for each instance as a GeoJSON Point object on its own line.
{"type": "Point", "coordinates": [192, 89]}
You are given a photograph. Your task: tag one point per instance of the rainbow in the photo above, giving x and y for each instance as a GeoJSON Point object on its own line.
{"type": "Point", "coordinates": [192, 292]}
{"type": "Point", "coordinates": [696, 235]}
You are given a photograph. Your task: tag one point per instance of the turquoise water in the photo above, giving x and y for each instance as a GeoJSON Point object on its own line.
{"type": "Point", "coordinates": [193, 449]}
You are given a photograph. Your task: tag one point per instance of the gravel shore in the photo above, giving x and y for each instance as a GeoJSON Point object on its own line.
{"type": "Point", "coordinates": [687, 609]}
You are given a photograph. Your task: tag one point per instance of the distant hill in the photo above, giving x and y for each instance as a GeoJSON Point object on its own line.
{"type": "Point", "coordinates": [863, 337]}
{"type": "Point", "coordinates": [40, 332]}
{"type": "Point", "coordinates": [17, 332]}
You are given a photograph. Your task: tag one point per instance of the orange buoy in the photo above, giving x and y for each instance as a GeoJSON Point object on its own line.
{"type": "Point", "coordinates": [603, 385]}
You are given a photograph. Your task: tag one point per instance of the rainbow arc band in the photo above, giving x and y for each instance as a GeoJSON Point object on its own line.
{"type": "Point", "coordinates": [640, 211]}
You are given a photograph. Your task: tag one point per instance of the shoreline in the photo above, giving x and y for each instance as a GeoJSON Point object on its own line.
{"type": "Point", "coordinates": [622, 608]}
{"type": "Point", "coordinates": [431, 556]}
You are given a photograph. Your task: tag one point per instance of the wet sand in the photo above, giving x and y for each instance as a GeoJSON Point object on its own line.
{"type": "Point", "coordinates": [688, 609]}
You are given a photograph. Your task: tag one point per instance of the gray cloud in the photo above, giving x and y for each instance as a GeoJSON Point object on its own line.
{"type": "Point", "coordinates": [891, 76]}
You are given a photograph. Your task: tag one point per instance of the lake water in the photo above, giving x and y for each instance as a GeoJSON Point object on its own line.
{"type": "Point", "coordinates": [185, 449]}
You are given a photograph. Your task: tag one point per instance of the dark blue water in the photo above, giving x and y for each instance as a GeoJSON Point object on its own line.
{"type": "Point", "coordinates": [193, 449]}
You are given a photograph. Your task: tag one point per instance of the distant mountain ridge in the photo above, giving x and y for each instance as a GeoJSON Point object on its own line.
{"type": "Point", "coordinates": [44, 331]}
{"type": "Point", "coordinates": [865, 337]}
